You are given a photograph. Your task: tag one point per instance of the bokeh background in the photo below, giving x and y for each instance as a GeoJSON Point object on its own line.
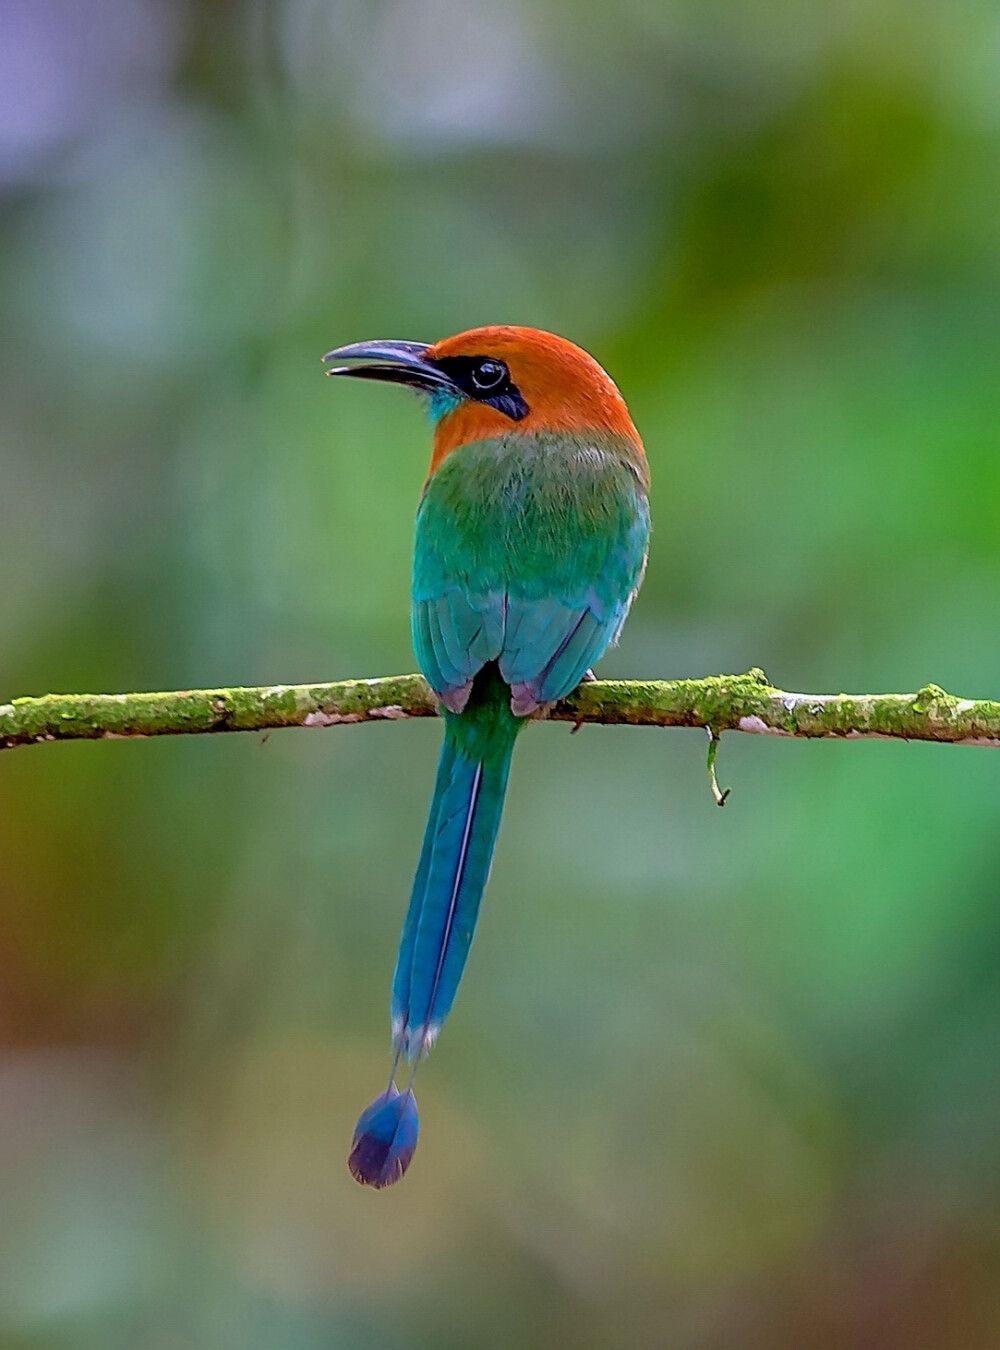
{"type": "Point", "coordinates": [716, 1080]}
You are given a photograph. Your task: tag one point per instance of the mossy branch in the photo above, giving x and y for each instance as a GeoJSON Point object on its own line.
{"type": "Point", "coordinates": [718, 702]}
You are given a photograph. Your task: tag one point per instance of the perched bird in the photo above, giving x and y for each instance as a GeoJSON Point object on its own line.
{"type": "Point", "coordinates": [531, 542]}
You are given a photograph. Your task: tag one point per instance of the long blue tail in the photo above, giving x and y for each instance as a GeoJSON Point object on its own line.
{"type": "Point", "coordinates": [444, 905]}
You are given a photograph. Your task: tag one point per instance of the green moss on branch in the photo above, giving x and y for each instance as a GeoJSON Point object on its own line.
{"type": "Point", "coordinates": [721, 702]}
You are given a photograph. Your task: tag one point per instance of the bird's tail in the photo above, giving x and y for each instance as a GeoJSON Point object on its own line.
{"type": "Point", "coordinates": [444, 904]}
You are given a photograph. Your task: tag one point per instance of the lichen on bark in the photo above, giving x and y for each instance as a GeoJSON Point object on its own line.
{"type": "Point", "coordinates": [744, 702]}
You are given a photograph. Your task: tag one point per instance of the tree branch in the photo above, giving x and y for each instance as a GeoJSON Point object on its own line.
{"type": "Point", "coordinates": [718, 702]}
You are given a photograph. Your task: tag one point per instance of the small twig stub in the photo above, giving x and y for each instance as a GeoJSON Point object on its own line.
{"type": "Point", "coordinates": [714, 741]}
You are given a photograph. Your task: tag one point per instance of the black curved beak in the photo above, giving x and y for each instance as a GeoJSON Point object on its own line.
{"type": "Point", "coordinates": [395, 362]}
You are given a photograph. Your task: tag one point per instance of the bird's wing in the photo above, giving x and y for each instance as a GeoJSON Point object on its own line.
{"type": "Point", "coordinates": [550, 647]}
{"type": "Point", "coordinates": [455, 633]}
{"type": "Point", "coordinates": [550, 643]}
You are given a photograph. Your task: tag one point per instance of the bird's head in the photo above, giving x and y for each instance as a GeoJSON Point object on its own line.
{"type": "Point", "coordinates": [489, 381]}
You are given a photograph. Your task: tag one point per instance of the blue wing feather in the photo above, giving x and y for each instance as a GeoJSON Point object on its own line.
{"type": "Point", "coordinates": [581, 646]}
{"type": "Point", "coordinates": [423, 646]}
{"type": "Point", "coordinates": [535, 629]}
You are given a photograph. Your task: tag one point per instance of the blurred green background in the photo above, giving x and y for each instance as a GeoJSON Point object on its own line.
{"type": "Point", "coordinates": [715, 1080]}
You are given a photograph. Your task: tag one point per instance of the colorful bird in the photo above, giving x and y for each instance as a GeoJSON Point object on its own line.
{"type": "Point", "coordinates": [531, 542]}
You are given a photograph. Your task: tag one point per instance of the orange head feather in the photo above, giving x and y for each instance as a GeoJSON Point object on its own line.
{"type": "Point", "coordinates": [563, 387]}
{"type": "Point", "coordinates": [488, 381]}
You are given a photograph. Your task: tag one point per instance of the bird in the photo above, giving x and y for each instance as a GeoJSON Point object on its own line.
{"type": "Point", "coordinates": [531, 541]}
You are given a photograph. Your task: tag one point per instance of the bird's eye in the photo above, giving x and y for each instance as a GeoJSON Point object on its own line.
{"type": "Point", "coordinates": [488, 375]}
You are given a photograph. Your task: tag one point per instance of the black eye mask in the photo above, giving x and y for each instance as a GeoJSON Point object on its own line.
{"type": "Point", "coordinates": [487, 380]}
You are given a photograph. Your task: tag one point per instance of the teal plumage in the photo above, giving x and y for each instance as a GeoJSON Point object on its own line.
{"type": "Point", "coordinates": [530, 546]}
{"type": "Point", "coordinates": [529, 549]}
{"type": "Point", "coordinates": [528, 552]}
